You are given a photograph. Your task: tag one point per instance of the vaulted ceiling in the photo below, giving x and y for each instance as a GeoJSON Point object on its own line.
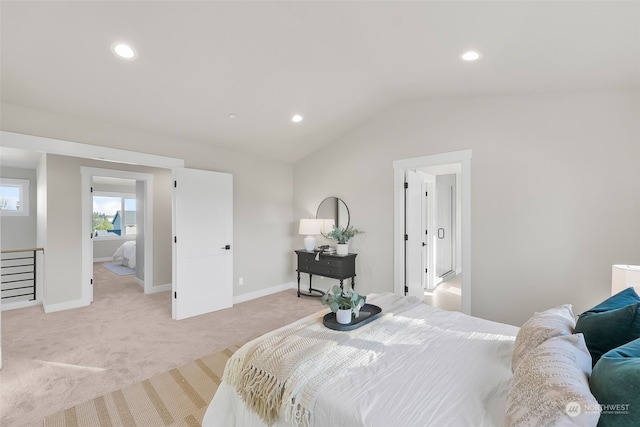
{"type": "Point", "coordinates": [333, 62]}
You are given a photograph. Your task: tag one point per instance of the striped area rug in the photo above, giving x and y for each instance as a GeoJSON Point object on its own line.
{"type": "Point", "coordinates": [178, 397]}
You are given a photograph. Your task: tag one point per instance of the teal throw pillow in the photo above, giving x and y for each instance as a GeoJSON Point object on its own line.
{"type": "Point", "coordinates": [615, 383]}
{"type": "Point", "coordinates": [607, 330]}
{"type": "Point", "coordinates": [619, 300]}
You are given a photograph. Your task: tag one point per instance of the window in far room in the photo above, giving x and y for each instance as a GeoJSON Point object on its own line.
{"type": "Point", "coordinates": [114, 215]}
{"type": "Point", "coordinates": [14, 197]}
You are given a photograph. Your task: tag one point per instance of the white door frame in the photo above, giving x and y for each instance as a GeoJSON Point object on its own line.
{"type": "Point", "coordinates": [399, 166]}
{"type": "Point", "coordinates": [87, 174]}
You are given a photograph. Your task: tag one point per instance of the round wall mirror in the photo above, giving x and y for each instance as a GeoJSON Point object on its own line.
{"type": "Point", "coordinates": [333, 211]}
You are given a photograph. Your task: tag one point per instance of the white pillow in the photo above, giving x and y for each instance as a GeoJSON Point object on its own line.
{"type": "Point", "coordinates": [551, 386]}
{"type": "Point", "coordinates": [555, 322]}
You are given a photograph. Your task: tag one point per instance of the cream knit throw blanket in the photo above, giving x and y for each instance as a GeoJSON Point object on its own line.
{"type": "Point", "coordinates": [279, 373]}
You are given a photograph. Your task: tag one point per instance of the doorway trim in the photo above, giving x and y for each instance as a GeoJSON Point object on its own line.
{"type": "Point", "coordinates": [87, 208]}
{"type": "Point", "coordinates": [399, 167]}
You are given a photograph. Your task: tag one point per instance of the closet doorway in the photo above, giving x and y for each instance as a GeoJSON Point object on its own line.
{"type": "Point", "coordinates": [416, 264]}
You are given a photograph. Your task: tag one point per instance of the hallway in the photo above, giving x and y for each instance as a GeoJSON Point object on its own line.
{"type": "Point", "coordinates": [447, 295]}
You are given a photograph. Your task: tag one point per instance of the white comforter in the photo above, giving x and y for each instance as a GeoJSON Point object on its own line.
{"type": "Point", "coordinates": [127, 251]}
{"type": "Point", "coordinates": [440, 369]}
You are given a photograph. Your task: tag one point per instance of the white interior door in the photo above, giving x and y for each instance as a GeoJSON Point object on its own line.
{"type": "Point", "coordinates": [203, 246]}
{"type": "Point", "coordinates": [414, 235]}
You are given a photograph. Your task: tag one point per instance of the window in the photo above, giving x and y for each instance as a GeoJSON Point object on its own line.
{"type": "Point", "coordinates": [114, 214]}
{"type": "Point", "coordinates": [14, 197]}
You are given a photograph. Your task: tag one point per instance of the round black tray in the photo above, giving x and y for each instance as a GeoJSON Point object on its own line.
{"type": "Point", "coordinates": [368, 312]}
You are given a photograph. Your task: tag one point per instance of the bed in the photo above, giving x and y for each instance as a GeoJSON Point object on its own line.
{"type": "Point", "coordinates": [127, 254]}
{"type": "Point", "coordinates": [416, 365]}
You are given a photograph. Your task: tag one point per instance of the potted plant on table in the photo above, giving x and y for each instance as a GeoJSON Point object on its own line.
{"type": "Point", "coordinates": [342, 235]}
{"type": "Point", "coordinates": [344, 303]}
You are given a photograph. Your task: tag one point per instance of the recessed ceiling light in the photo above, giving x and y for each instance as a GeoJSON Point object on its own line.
{"type": "Point", "coordinates": [232, 116]}
{"type": "Point", "coordinates": [297, 118]}
{"type": "Point", "coordinates": [470, 55]}
{"type": "Point", "coordinates": [124, 51]}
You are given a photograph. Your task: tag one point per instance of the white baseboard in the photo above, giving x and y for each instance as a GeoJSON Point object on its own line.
{"type": "Point", "coordinates": [264, 292]}
{"type": "Point", "coordinates": [140, 282]}
{"type": "Point", "coordinates": [67, 305]}
{"type": "Point", "coordinates": [159, 288]}
{"type": "Point", "coordinates": [20, 304]}
{"type": "Point", "coordinates": [50, 308]}
{"type": "Point", "coordinates": [103, 259]}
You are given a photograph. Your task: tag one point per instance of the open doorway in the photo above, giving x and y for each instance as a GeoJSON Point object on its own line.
{"type": "Point", "coordinates": [135, 193]}
{"type": "Point", "coordinates": [416, 263]}
{"type": "Point", "coordinates": [118, 226]}
{"type": "Point", "coordinates": [446, 209]}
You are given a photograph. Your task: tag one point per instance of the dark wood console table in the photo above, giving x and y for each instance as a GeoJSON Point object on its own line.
{"type": "Point", "coordinates": [334, 266]}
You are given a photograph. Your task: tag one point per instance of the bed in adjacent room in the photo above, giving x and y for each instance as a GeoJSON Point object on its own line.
{"type": "Point", "coordinates": [126, 253]}
{"type": "Point", "coordinates": [415, 365]}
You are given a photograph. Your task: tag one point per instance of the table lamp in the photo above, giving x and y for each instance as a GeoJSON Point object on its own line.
{"type": "Point", "coordinates": [624, 276]}
{"type": "Point", "coordinates": [309, 228]}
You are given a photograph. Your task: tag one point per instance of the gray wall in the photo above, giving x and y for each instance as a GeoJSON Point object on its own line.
{"type": "Point", "coordinates": [19, 232]}
{"type": "Point", "coordinates": [63, 266]}
{"type": "Point", "coordinates": [555, 192]}
{"type": "Point", "coordinates": [262, 193]}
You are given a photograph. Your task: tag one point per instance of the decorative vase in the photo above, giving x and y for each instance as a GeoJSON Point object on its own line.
{"type": "Point", "coordinates": [343, 316]}
{"type": "Point", "coordinates": [342, 248]}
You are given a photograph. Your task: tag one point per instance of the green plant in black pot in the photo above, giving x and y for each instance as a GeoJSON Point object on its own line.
{"type": "Point", "coordinates": [342, 235]}
{"type": "Point", "coordinates": [344, 299]}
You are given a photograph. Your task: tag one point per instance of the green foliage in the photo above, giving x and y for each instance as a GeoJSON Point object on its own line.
{"type": "Point", "coordinates": [341, 234]}
{"type": "Point", "coordinates": [100, 222]}
{"type": "Point", "coordinates": [338, 298]}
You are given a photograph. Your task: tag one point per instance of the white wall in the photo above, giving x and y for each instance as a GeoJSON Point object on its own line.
{"type": "Point", "coordinates": [20, 231]}
{"type": "Point", "coordinates": [555, 192]}
{"type": "Point", "coordinates": [263, 190]}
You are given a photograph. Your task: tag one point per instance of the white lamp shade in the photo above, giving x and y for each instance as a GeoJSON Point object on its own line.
{"type": "Point", "coordinates": [309, 227]}
{"type": "Point", "coordinates": [625, 276]}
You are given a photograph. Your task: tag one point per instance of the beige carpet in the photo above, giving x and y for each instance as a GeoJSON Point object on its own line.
{"type": "Point", "coordinates": [56, 361]}
{"type": "Point", "coordinates": [178, 397]}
